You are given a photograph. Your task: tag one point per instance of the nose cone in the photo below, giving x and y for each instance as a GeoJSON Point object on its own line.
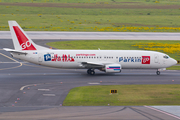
{"type": "Point", "coordinates": [173, 61]}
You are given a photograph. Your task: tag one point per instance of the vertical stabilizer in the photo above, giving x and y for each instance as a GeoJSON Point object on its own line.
{"type": "Point", "coordinates": [20, 39]}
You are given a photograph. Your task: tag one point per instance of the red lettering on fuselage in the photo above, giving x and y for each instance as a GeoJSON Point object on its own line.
{"type": "Point", "coordinates": [85, 54]}
{"type": "Point", "coordinates": [64, 58]}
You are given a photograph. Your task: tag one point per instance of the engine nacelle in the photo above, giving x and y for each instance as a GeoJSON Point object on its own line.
{"type": "Point", "coordinates": [113, 68]}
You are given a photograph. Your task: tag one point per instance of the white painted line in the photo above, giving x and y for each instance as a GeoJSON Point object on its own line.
{"type": "Point", "coordinates": [22, 88]}
{"type": "Point", "coordinates": [14, 62]}
{"type": "Point", "coordinates": [10, 58]}
{"type": "Point", "coordinates": [49, 95]}
{"type": "Point", "coordinates": [43, 89]}
{"type": "Point", "coordinates": [162, 112]}
{"type": "Point", "coordinates": [94, 83]}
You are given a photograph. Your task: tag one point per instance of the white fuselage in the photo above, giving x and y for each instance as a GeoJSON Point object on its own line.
{"type": "Point", "coordinates": [72, 59]}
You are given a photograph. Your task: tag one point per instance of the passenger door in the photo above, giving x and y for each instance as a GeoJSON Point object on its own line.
{"type": "Point", "coordinates": [156, 58]}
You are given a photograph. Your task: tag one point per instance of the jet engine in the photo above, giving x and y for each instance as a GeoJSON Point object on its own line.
{"type": "Point", "coordinates": [113, 68]}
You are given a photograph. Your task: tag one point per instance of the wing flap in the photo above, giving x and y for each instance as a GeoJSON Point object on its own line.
{"type": "Point", "coordinates": [92, 65]}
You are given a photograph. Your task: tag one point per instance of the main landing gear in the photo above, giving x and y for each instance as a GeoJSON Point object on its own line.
{"type": "Point", "coordinates": [158, 72]}
{"type": "Point", "coordinates": [90, 71]}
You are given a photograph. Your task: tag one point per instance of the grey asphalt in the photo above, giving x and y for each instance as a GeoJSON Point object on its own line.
{"type": "Point", "coordinates": [36, 92]}
{"type": "Point", "coordinates": [97, 35]}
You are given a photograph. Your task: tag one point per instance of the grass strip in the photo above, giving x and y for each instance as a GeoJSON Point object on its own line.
{"type": "Point", "coordinates": [128, 95]}
{"type": "Point", "coordinates": [71, 16]}
{"type": "Point", "coordinates": [174, 68]}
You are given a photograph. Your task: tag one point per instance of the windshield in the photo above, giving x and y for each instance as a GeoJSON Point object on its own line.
{"type": "Point", "coordinates": [166, 56]}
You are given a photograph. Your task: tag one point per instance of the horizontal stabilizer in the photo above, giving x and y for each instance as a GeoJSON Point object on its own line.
{"type": "Point", "coordinates": [14, 51]}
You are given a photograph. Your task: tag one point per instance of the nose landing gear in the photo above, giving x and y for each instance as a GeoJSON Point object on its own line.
{"type": "Point", "coordinates": [90, 71]}
{"type": "Point", "coordinates": [158, 72]}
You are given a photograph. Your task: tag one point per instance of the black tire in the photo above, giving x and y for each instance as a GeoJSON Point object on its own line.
{"type": "Point", "coordinates": [88, 71]}
{"type": "Point", "coordinates": [92, 72]}
{"type": "Point", "coordinates": [158, 72]}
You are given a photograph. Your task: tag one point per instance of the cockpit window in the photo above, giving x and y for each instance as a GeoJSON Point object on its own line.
{"type": "Point", "coordinates": [166, 56]}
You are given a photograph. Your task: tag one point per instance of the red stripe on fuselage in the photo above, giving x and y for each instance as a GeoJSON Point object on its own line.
{"type": "Point", "coordinates": [23, 40]}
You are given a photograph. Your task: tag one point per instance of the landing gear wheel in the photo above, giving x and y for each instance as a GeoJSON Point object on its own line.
{"type": "Point", "coordinates": [158, 72]}
{"type": "Point", "coordinates": [90, 72]}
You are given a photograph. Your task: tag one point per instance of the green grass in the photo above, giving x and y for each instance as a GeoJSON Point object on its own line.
{"type": "Point", "coordinates": [109, 45]}
{"type": "Point", "coordinates": [74, 18]}
{"type": "Point", "coordinates": [174, 68]}
{"type": "Point", "coordinates": [134, 95]}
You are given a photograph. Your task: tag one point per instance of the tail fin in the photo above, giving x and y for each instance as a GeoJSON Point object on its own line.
{"type": "Point", "coordinates": [20, 39]}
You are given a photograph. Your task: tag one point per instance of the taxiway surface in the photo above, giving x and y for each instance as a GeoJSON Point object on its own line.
{"type": "Point", "coordinates": [97, 35]}
{"type": "Point", "coordinates": [31, 91]}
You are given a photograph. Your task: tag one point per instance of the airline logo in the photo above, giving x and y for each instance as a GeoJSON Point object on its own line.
{"type": "Point", "coordinates": [145, 59]}
{"type": "Point", "coordinates": [23, 40]}
{"type": "Point", "coordinates": [114, 68]}
{"type": "Point", "coordinates": [47, 57]}
{"type": "Point", "coordinates": [55, 57]}
{"type": "Point", "coordinates": [130, 59]}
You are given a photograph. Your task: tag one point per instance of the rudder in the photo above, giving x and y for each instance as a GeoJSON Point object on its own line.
{"type": "Point", "coordinates": [20, 39]}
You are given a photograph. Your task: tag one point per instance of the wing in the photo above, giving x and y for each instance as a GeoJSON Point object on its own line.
{"type": "Point", "coordinates": [92, 65]}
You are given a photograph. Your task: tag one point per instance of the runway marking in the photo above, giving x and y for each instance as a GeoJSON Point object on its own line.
{"type": "Point", "coordinates": [163, 112]}
{"type": "Point", "coordinates": [12, 67]}
{"type": "Point", "coordinates": [12, 60]}
{"type": "Point", "coordinates": [9, 58]}
{"type": "Point", "coordinates": [94, 83]}
{"type": "Point", "coordinates": [49, 95]}
{"type": "Point", "coordinates": [22, 88]}
{"type": "Point", "coordinates": [43, 89]}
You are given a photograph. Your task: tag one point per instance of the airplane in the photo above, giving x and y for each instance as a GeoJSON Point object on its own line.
{"type": "Point", "coordinates": [109, 61]}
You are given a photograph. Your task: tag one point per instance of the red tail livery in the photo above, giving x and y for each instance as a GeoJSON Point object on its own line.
{"type": "Point", "coordinates": [23, 40]}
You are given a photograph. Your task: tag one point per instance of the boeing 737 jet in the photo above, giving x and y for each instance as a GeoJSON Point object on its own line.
{"type": "Point", "coordinates": [109, 61]}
